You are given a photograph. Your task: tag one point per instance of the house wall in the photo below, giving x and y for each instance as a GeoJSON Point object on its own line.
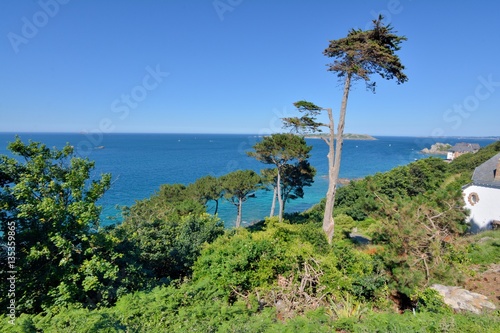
{"type": "Point", "coordinates": [485, 210]}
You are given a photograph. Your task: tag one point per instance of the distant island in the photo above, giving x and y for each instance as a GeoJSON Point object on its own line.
{"type": "Point", "coordinates": [437, 148]}
{"type": "Point", "coordinates": [346, 136]}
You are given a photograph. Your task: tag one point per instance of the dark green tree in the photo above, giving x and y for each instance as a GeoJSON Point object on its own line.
{"type": "Point", "coordinates": [281, 150]}
{"type": "Point", "coordinates": [50, 224]}
{"type": "Point", "coordinates": [205, 189]}
{"type": "Point", "coordinates": [295, 177]}
{"type": "Point", "coordinates": [357, 56]}
{"type": "Point", "coordinates": [238, 185]}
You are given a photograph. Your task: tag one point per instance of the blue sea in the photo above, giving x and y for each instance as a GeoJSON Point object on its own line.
{"type": "Point", "coordinates": [140, 163]}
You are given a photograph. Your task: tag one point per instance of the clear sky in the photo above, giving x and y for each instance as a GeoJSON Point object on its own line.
{"type": "Point", "coordinates": [236, 66]}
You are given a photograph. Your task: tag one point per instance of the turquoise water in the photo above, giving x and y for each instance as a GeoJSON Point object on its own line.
{"type": "Point", "coordinates": [140, 163]}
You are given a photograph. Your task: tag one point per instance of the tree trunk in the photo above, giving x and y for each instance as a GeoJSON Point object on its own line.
{"type": "Point", "coordinates": [328, 223]}
{"type": "Point", "coordinates": [280, 198]}
{"type": "Point", "coordinates": [273, 206]}
{"type": "Point", "coordinates": [216, 206]}
{"type": "Point", "coordinates": [238, 218]}
{"type": "Point", "coordinates": [334, 157]}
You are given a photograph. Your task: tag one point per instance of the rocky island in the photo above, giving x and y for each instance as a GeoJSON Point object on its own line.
{"type": "Point", "coordinates": [437, 148]}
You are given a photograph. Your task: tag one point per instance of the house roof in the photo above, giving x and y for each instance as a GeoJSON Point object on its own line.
{"type": "Point", "coordinates": [464, 147]}
{"type": "Point", "coordinates": [485, 173]}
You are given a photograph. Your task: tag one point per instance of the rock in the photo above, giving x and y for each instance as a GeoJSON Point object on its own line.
{"type": "Point", "coordinates": [437, 148]}
{"type": "Point", "coordinates": [494, 268]}
{"type": "Point", "coordinates": [460, 299]}
{"type": "Point", "coordinates": [484, 240]}
{"type": "Point", "coordinates": [359, 238]}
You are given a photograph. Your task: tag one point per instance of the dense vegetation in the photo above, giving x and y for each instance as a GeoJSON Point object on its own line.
{"type": "Point", "coordinates": [171, 266]}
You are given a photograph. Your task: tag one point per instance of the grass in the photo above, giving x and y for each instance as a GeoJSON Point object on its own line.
{"type": "Point", "coordinates": [484, 248]}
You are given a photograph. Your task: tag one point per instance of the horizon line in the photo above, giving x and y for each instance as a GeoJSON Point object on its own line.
{"type": "Point", "coordinates": [257, 134]}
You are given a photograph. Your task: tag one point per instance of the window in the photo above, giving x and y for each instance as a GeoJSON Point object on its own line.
{"type": "Point", "coordinates": [473, 198]}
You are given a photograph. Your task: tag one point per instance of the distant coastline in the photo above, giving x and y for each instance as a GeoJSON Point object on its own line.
{"type": "Point", "coordinates": [347, 136]}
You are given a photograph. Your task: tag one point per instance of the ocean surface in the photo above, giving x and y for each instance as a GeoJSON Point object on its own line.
{"type": "Point", "coordinates": [140, 163]}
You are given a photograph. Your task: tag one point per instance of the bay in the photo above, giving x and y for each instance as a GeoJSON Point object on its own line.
{"type": "Point", "coordinates": [140, 163]}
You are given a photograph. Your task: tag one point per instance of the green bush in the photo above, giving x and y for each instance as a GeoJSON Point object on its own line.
{"type": "Point", "coordinates": [240, 262]}
{"type": "Point", "coordinates": [429, 300]}
{"type": "Point", "coordinates": [343, 226]}
{"type": "Point", "coordinates": [166, 249]}
{"type": "Point", "coordinates": [426, 322]}
{"type": "Point", "coordinates": [484, 248]}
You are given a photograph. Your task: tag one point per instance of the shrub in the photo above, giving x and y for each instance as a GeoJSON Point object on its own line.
{"type": "Point", "coordinates": [429, 300]}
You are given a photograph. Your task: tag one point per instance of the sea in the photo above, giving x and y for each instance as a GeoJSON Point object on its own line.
{"type": "Point", "coordinates": [141, 163]}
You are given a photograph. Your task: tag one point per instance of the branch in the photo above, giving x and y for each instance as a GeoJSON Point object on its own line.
{"type": "Point", "coordinates": [427, 274]}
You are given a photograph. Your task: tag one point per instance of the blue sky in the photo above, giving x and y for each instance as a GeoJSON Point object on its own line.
{"type": "Point", "coordinates": [236, 66]}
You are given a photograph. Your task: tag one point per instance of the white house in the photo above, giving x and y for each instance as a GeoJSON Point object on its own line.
{"type": "Point", "coordinates": [482, 196]}
{"type": "Point", "coordinates": [460, 149]}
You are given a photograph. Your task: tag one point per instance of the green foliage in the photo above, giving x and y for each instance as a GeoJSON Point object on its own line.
{"type": "Point", "coordinates": [416, 235]}
{"type": "Point", "coordinates": [364, 275]}
{"type": "Point", "coordinates": [359, 198]}
{"type": "Point", "coordinates": [161, 236]}
{"type": "Point", "coordinates": [307, 123]}
{"type": "Point", "coordinates": [357, 56]}
{"type": "Point", "coordinates": [237, 187]}
{"type": "Point", "coordinates": [429, 300]}
{"type": "Point", "coordinates": [295, 178]}
{"type": "Point", "coordinates": [466, 163]}
{"type": "Point", "coordinates": [280, 149]}
{"type": "Point", "coordinates": [80, 320]}
{"type": "Point", "coordinates": [411, 180]}
{"type": "Point", "coordinates": [205, 189]}
{"type": "Point", "coordinates": [348, 307]}
{"type": "Point", "coordinates": [355, 200]}
{"type": "Point", "coordinates": [364, 53]}
{"type": "Point", "coordinates": [241, 262]}
{"type": "Point", "coordinates": [49, 197]}
{"type": "Point", "coordinates": [425, 323]}
{"type": "Point", "coordinates": [307, 106]}
{"type": "Point", "coordinates": [343, 225]}
{"type": "Point", "coordinates": [170, 202]}
{"type": "Point", "coordinates": [288, 153]}
{"type": "Point", "coordinates": [280, 277]}
{"type": "Point", "coordinates": [162, 310]}
{"type": "Point", "coordinates": [167, 248]}
{"type": "Point", "coordinates": [484, 248]}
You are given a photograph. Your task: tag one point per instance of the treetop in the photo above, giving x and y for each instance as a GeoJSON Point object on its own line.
{"type": "Point", "coordinates": [363, 53]}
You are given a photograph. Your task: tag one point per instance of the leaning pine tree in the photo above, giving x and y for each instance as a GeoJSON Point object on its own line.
{"type": "Point", "coordinates": [357, 56]}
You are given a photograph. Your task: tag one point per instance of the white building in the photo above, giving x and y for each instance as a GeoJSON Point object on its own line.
{"type": "Point", "coordinates": [482, 196]}
{"type": "Point", "coordinates": [460, 149]}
